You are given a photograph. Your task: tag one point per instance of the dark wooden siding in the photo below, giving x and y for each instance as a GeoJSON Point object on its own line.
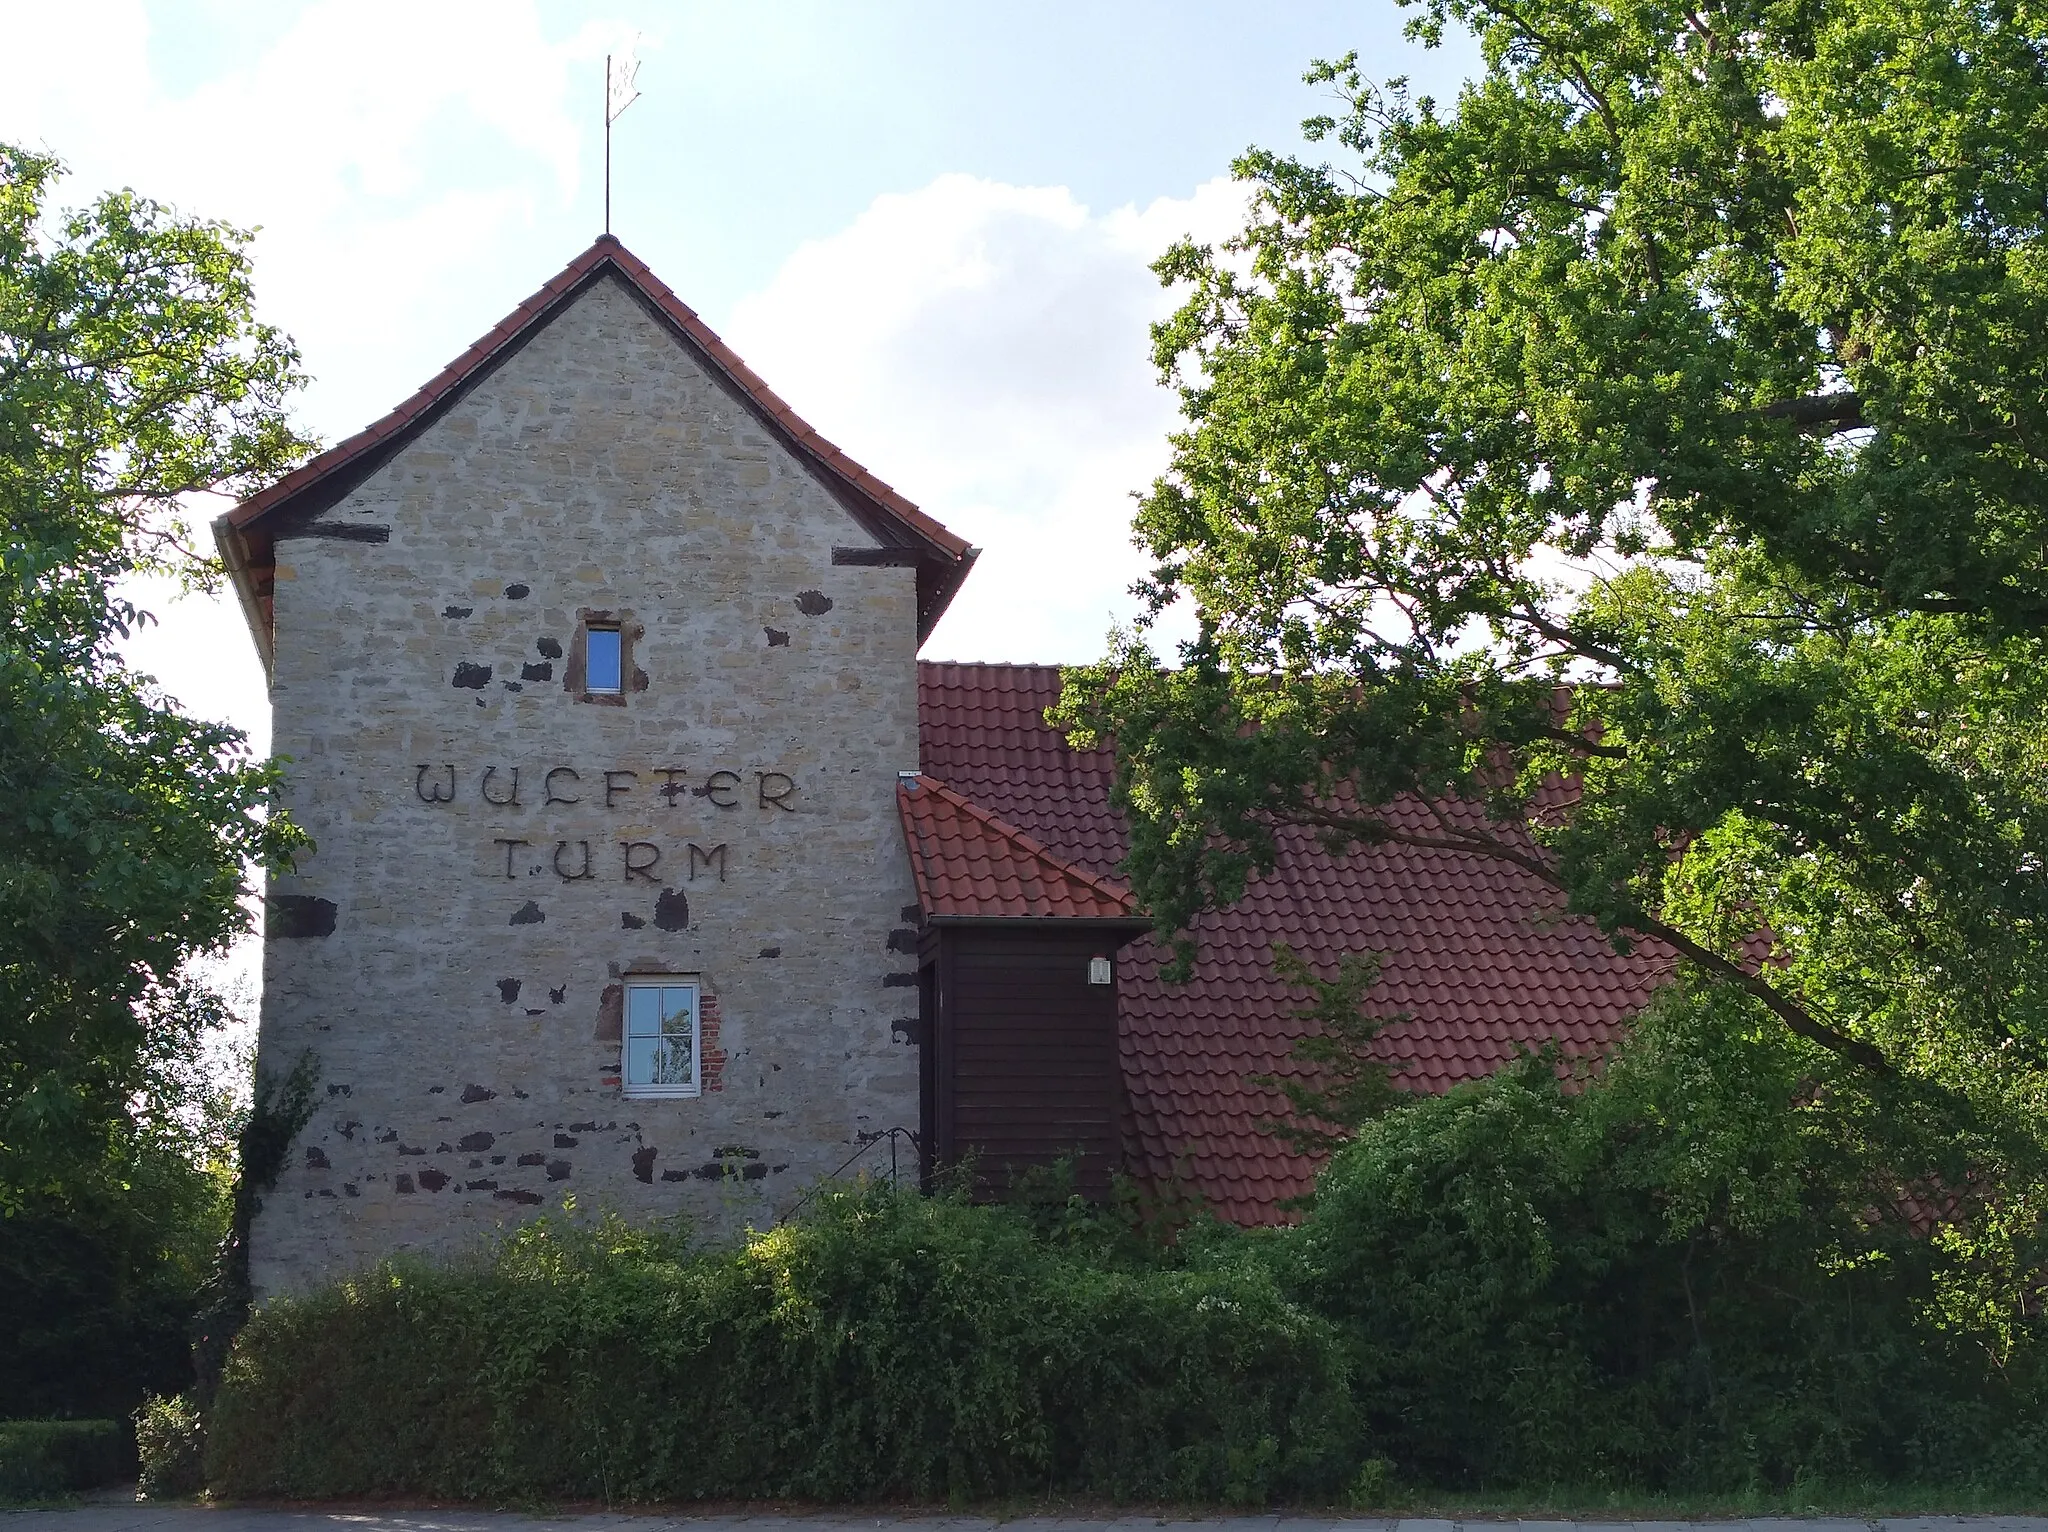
{"type": "Point", "coordinates": [1025, 1068]}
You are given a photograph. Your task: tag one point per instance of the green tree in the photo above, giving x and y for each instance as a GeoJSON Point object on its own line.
{"type": "Point", "coordinates": [133, 377]}
{"type": "Point", "coordinates": [1659, 431]}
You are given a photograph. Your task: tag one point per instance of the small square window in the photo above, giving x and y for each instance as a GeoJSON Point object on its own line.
{"type": "Point", "coordinates": [661, 1038]}
{"type": "Point", "coordinates": [604, 661]}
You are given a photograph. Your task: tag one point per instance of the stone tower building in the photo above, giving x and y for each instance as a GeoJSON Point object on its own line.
{"type": "Point", "coordinates": [654, 869]}
{"type": "Point", "coordinates": [595, 669]}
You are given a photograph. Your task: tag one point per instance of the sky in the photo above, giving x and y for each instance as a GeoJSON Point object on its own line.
{"type": "Point", "coordinates": [928, 225]}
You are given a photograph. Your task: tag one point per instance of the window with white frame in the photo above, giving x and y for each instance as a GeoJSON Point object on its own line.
{"type": "Point", "coordinates": [663, 1053]}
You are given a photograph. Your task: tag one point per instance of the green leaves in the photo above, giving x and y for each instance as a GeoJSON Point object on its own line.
{"type": "Point", "coordinates": [133, 376]}
{"type": "Point", "coordinates": [1659, 429]}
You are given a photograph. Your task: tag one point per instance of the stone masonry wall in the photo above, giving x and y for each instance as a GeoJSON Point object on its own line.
{"type": "Point", "coordinates": [443, 952]}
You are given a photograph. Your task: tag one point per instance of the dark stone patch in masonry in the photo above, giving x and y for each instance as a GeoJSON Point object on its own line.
{"type": "Point", "coordinates": [898, 980]}
{"type": "Point", "coordinates": [528, 914]}
{"type": "Point", "coordinates": [537, 671]}
{"type": "Point", "coordinates": [768, 952]}
{"type": "Point", "coordinates": [535, 1011]}
{"type": "Point", "coordinates": [771, 1116]}
{"type": "Point", "coordinates": [519, 1194]}
{"type": "Point", "coordinates": [628, 921]}
{"type": "Point", "coordinates": [348, 1129]}
{"type": "Point", "coordinates": [643, 1165]}
{"type": "Point", "coordinates": [813, 603]}
{"type": "Point", "coordinates": [402, 1183]}
{"type": "Point", "coordinates": [480, 1186]}
{"type": "Point", "coordinates": [777, 638]}
{"type": "Point", "coordinates": [550, 648]}
{"type": "Point", "coordinates": [558, 1170]}
{"type": "Point", "coordinates": [582, 1127]}
{"type": "Point", "coordinates": [341, 532]}
{"type": "Point", "coordinates": [754, 1173]}
{"type": "Point", "coordinates": [476, 1164]}
{"type": "Point", "coordinates": [906, 1029]}
{"type": "Point", "coordinates": [557, 996]}
{"type": "Point", "coordinates": [445, 1148]}
{"type": "Point", "coordinates": [476, 1143]}
{"type": "Point", "coordinates": [435, 1090]}
{"type": "Point", "coordinates": [675, 1175]}
{"type": "Point", "coordinates": [671, 911]}
{"type": "Point", "coordinates": [316, 1159]}
{"type": "Point", "coordinates": [457, 611]}
{"type": "Point", "coordinates": [349, 1189]}
{"type": "Point", "coordinates": [433, 1180]}
{"type": "Point", "coordinates": [710, 1171]}
{"type": "Point", "coordinates": [327, 1191]}
{"type": "Point", "coordinates": [298, 916]}
{"type": "Point", "coordinates": [340, 1090]}
{"type": "Point", "coordinates": [517, 592]}
{"type": "Point", "coordinates": [472, 1094]}
{"type": "Point", "coordinates": [566, 1141]}
{"type": "Point", "coordinates": [407, 1149]}
{"type": "Point", "coordinates": [911, 914]}
{"type": "Point", "coordinates": [532, 1159]}
{"type": "Point", "coordinates": [474, 677]}
{"type": "Point", "coordinates": [497, 1159]}
{"type": "Point", "coordinates": [902, 939]}
{"type": "Point", "coordinates": [508, 990]}
{"type": "Point", "coordinates": [777, 1169]}
{"type": "Point", "coordinates": [389, 1138]}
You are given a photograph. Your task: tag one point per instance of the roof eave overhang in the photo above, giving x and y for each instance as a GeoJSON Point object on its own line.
{"type": "Point", "coordinates": [234, 557]}
{"type": "Point", "coordinates": [1131, 925]}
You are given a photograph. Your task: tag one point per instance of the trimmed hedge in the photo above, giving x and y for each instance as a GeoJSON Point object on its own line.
{"type": "Point", "coordinates": [40, 1459]}
{"type": "Point", "coordinates": [886, 1345]}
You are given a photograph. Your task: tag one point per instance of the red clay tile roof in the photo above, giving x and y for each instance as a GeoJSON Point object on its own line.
{"type": "Point", "coordinates": [246, 532]}
{"type": "Point", "coordinates": [1478, 956]}
{"type": "Point", "coordinates": [969, 865]}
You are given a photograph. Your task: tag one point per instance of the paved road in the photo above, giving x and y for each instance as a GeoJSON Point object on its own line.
{"type": "Point", "coordinates": [106, 1517]}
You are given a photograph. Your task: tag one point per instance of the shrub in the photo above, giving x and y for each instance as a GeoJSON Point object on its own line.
{"type": "Point", "coordinates": [1700, 1271]}
{"type": "Point", "coordinates": [44, 1458]}
{"type": "Point", "coordinates": [170, 1440]}
{"type": "Point", "coordinates": [885, 1345]}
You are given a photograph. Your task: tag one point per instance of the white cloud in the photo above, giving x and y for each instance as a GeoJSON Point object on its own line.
{"type": "Point", "coordinates": [392, 154]}
{"type": "Point", "coordinates": [984, 348]}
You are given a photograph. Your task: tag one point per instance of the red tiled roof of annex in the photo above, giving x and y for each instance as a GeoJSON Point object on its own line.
{"type": "Point", "coordinates": [970, 865]}
{"type": "Point", "coordinates": [1479, 958]}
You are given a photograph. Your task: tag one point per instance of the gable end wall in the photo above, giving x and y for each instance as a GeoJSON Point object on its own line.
{"type": "Point", "coordinates": [463, 1005]}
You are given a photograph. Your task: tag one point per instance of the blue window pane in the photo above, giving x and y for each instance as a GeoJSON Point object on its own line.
{"type": "Point", "coordinates": [677, 1008]}
{"type": "Point", "coordinates": [643, 1011]}
{"type": "Point", "coordinates": [601, 664]}
{"type": "Point", "coordinates": [660, 1061]}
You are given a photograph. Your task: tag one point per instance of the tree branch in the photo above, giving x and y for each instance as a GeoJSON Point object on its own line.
{"type": "Point", "coordinates": [1816, 412]}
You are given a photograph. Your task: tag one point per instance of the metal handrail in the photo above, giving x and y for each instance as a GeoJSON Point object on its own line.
{"type": "Point", "coordinates": [889, 1135]}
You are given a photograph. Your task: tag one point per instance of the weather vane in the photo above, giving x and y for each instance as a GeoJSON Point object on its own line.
{"type": "Point", "coordinates": [619, 93]}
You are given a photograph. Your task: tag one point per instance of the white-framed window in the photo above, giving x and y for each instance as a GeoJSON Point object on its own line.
{"type": "Point", "coordinates": [604, 660]}
{"type": "Point", "coordinates": [663, 1042]}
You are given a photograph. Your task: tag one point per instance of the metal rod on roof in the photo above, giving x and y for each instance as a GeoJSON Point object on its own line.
{"type": "Point", "coordinates": [619, 93]}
